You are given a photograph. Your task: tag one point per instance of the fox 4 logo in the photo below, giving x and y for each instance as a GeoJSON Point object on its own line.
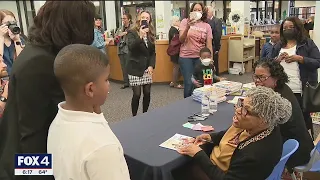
{"type": "Point", "coordinates": [33, 160]}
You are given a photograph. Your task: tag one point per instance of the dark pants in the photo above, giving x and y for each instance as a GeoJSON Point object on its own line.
{"type": "Point", "coordinates": [216, 62]}
{"type": "Point", "coordinates": [306, 115]}
{"type": "Point", "coordinates": [187, 66]}
{"type": "Point", "coordinates": [136, 98]}
{"type": "Point", "coordinates": [124, 61]}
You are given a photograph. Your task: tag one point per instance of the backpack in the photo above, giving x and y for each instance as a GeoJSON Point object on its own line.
{"type": "Point", "coordinates": [174, 46]}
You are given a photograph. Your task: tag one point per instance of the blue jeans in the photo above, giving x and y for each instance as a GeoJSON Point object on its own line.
{"type": "Point", "coordinates": [187, 66]}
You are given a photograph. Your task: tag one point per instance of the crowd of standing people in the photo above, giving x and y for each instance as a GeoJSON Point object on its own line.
{"type": "Point", "coordinates": [59, 80]}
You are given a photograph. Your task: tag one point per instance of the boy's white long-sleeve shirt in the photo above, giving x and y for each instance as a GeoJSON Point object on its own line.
{"type": "Point", "coordinates": [84, 147]}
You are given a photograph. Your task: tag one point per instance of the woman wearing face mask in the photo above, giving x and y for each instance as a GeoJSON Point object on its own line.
{"type": "Point", "coordinates": [270, 73]}
{"type": "Point", "coordinates": [195, 34]}
{"type": "Point", "coordinates": [300, 58]}
{"type": "Point", "coordinates": [142, 60]}
{"type": "Point", "coordinates": [309, 23]}
{"type": "Point", "coordinates": [11, 44]}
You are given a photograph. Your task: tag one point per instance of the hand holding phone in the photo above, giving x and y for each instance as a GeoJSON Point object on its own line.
{"type": "Point", "coordinates": [144, 24]}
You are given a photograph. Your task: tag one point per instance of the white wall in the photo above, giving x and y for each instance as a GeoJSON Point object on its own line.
{"type": "Point", "coordinates": [111, 15]}
{"type": "Point", "coordinates": [163, 16]}
{"type": "Point", "coordinates": [304, 3]}
{"type": "Point", "coordinates": [244, 8]}
{"type": "Point", "coordinates": [38, 4]}
{"type": "Point", "coordinates": [284, 7]}
{"type": "Point", "coordinates": [218, 7]}
{"type": "Point", "coordinates": [12, 6]}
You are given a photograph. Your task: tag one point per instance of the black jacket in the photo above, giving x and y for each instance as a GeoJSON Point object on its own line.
{"type": "Point", "coordinates": [254, 162]}
{"type": "Point", "coordinates": [216, 26]}
{"type": "Point", "coordinates": [34, 94]}
{"type": "Point", "coordinates": [140, 56]}
{"type": "Point", "coordinates": [310, 52]}
{"type": "Point", "coordinates": [295, 128]}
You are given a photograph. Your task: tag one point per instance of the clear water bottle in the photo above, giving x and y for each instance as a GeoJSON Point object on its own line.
{"type": "Point", "coordinates": [205, 104]}
{"type": "Point", "coordinates": [213, 103]}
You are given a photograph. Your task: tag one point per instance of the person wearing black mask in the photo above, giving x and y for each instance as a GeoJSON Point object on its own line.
{"type": "Point", "coordinates": [309, 23]}
{"type": "Point", "coordinates": [300, 58]}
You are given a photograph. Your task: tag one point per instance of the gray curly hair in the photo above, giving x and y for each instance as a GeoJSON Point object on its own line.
{"type": "Point", "coordinates": [269, 105]}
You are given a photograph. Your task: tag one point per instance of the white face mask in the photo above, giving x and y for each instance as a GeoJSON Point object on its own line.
{"type": "Point", "coordinates": [199, 14]}
{"type": "Point", "coordinates": [206, 62]}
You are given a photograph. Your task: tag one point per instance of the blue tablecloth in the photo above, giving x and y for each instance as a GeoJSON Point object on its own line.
{"type": "Point", "coordinates": [141, 136]}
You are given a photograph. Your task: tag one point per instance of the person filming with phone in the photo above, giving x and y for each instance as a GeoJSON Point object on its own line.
{"type": "Point", "coordinates": [142, 60]}
{"type": "Point", "coordinates": [194, 34]}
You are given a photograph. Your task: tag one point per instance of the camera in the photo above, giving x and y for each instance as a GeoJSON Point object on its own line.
{"type": "Point", "coordinates": [14, 28]}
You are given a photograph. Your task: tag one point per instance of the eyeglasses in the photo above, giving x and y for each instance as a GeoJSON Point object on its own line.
{"type": "Point", "coordinates": [261, 78]}
{"type": "Point", "coordinates": [244, 111]}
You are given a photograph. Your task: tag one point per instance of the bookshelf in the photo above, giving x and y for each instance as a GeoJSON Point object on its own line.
{"type": "Point", "coordinates": [301, 12]}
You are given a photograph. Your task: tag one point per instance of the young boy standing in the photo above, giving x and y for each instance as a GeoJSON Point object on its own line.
{"type": "Point", "coordinates": [275, 38]}
{"type": "Point", "coordinates": [204, 73]}
{"type": "Point", "coordinates": [80, 140]}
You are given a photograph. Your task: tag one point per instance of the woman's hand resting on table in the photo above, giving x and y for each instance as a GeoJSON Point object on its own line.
{"type": "Point", "coordinates": [191, 146]}
{"type": "Point", "coordinates": [189, 149]}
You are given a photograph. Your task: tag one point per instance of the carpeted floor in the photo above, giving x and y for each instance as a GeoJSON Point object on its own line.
{"type": "Point", "coordinates": [117, 106]}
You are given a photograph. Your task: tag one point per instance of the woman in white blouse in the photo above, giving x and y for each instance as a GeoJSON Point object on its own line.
{"type": "Point", "coordinates": [300, 58]}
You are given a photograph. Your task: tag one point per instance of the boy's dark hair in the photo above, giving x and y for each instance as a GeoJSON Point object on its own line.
{"type": "Point", "coordinates": [60, 23]}
{"type": "Point", "coordinates": [77, 65]}
{"type": "Point", "coordinates": [205, 49]}
{"type": "Point", "coordinates": [275, 68]}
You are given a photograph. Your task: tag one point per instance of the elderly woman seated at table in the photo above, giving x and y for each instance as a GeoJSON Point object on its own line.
{"type": "Point", "coordinates": [251, 147]}
{"type": "Point", "coordinates": [269, 73]}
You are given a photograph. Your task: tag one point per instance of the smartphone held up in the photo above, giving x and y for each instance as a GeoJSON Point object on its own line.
{"type": "Point", "coordinates": [145, 24]}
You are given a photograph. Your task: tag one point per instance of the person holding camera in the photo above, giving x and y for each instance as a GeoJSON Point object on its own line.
{"type": "Point", "coordinates": [142, 60]}
{"type": "Point", "coordinates": [123, 47]}
{"type": "Point", "coordinates": [11, 44]}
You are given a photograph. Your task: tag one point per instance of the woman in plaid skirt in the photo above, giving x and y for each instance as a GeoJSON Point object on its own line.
{"type": "Point", "coordinates": [140, 41]}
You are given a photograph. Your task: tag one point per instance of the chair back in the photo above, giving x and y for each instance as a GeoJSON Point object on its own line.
{"type": "Point", "coordinates": [289, 147]}
{"type": "Point", "coordinates": [314, 162]}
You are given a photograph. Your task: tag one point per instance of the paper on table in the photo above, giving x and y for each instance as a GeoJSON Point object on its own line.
{"type": "Point", "coordinates": [197, 127]}
{"type": "Point", "coordinates": [188, 125]}
{"type": "Point", "coordinates": [174, 142]}
{"type": "Point", "coordinates": [235, 100]}
{"type": "Point", "coordinates": [249, 85]}
{"type": "Point", "coordinates": [207, 128]}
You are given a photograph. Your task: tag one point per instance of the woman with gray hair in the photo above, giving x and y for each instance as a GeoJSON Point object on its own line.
{"type": "Point", "coordinates": [174, 31]}
{"type": "Point", "coordinates": [254, 139]}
